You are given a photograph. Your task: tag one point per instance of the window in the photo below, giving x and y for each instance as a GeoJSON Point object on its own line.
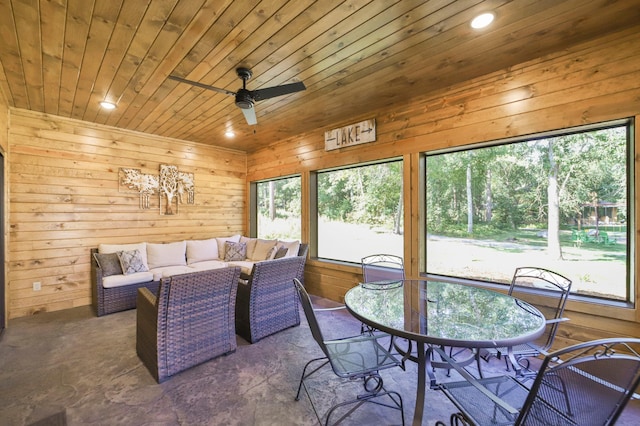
{"type": "Point", "coordinates": [360, 211]}
{"type": "Point", "coordinates": [278, 208]}
{"type": "Point", "coordinates": [556, 201]}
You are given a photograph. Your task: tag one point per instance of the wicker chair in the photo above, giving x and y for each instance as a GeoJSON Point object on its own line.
{"type": "Point", "coordinates": [188, 323]}
{"type": "Point", "coordinates": [268, 303]}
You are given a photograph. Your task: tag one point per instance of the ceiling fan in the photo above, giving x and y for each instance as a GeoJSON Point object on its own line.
{"type": "Point", "coordinates": [245, 99]}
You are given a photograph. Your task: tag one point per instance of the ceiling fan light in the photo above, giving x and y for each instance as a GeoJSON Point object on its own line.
{"type": "Point", "coordinates": [482, 20]}
{"type": "Point", "coordinates": [243, 99]}
{"type": "Point", "coordinates": [107, 105]}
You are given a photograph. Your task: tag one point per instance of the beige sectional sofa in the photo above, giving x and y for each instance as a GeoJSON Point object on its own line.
{"type": "Point", "coordinates": [118, 270]}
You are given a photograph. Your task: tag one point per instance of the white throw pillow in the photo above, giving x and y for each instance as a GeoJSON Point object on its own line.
{"type": "Point", "coordinates": [202, 250]}
{"type": "Point", "coordinates": [115, 248]}
{"type": "Point", "coordinates": [222, 240]}
{"type": "Point", "coordinates": [170, 254]}
{"type": "Point", "coordinates": [292, 246]}
{"type": "Point", "coordinates": [264, 250]}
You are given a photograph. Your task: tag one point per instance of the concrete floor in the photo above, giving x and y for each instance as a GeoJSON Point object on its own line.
{"type": "Point", "coordinates": [70, 367]}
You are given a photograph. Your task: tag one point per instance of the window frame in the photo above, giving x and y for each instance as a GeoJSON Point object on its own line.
{"type": "Point", "coordinates": [314, 211]}
{"type": "Point", "coordinates": [632, 174]}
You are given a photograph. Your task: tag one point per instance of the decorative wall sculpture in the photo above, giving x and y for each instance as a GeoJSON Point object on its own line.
{"type": "Point", "coordinates": [172, 186]}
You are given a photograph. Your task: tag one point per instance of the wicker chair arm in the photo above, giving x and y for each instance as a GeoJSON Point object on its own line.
{"type": "Point", "coordinates": [146, 297]}
{"type": "Point", "coordinates": [147, 328]}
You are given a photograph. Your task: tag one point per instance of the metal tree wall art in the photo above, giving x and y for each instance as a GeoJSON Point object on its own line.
{"type": "Point", "coordinates": [145, 185]}
{"type": "Point", "coordinates": [172, 186]}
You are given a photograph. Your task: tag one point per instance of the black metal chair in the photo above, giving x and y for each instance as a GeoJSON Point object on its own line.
{"type": "Point", "coordinates": [546, 290]}
{"type": "Point", "coordinates": [382, 267]}
{"type": "Point", "coordinates": [584, 384]}
{"type": "Point", "coordinates": [358, 357]}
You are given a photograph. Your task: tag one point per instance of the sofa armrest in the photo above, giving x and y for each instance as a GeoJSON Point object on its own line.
{"type": "Point", "coordinates": [97, 290]}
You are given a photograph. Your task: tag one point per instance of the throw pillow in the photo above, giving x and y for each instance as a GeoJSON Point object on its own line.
{"type": "Point", "coordinates": [201, 250]}
{"type": "Point", "coordinates": [293, 246]}
{"type": "Point", "coordinates": [222, 240]}
{"type": "Point", "coordinates": [251, 245]}
{"type": "Point", "coordinates": [234, 251]}
{"type": "Point", "coordinates": [131, 262]}
{"type": "Point", "coordinates": [109, 263]}
{"type": "Point", "coordinates": [168, 254]}
{"type": "Point", "coordinates": [263, 249]}
{"type": "Point", "coordinates": [115, 248]}
{"type": "Point", "coordinates": [282, 252]}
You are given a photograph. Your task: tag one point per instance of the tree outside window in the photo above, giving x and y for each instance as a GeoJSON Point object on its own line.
{"type": "Point", "coordinates": [278, 209]}
{"type": "Point", "coordinates": [360, 211]}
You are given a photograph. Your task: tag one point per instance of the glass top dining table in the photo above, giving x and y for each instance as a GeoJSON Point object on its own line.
{"type": "Point", "coordinates": [430, 312]}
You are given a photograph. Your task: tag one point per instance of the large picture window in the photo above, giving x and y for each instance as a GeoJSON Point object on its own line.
{"type": "Point", "coordinates": [360, 211]}
{"type": "Point", "coordinates": [555, 201]}
{"type": "Point", "coordinates": [278, 209]}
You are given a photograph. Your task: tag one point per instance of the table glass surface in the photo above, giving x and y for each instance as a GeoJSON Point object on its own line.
{"type": "Point", "coordinates": [446, 313]}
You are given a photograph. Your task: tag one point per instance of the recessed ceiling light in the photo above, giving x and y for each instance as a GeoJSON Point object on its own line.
{"type": "Point", "coordinates": [107, 105]}
{"type": "Point", "coordinates": [229, 133]}
{"type": "Point", "coordinates": [482, 21]}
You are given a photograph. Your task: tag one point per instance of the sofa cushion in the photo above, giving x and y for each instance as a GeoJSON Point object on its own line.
{"type": "Point", "coordinates": [131, 262]}
{"type": "Point", "coordinates": [208, 264]}
{"type": "Point", "coordinates": [234, 251]}
{"type": "Point", "coordinates": [109, 263]}
{"type": "Point", "coordinates": [222, 240]}
{"type": "Point", "coordinates": [201, 250]}
{"type": "Point", "coordinates": [246, 266]}
{"type": "Point", "coordinates": [115, 248]}
{"type": "Point", "coordinates": [170, 254]}
{"type": "Point", "coordinates": [122, 280]}
{"type": "Point", "coordinates": [264, 249]}
{"type": "Point", "coordinates": [169, 271]}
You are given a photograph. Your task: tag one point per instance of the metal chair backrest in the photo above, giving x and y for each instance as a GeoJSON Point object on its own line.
{"type": "Point", "coordinates": [585, 384]}
{"type": "Point", "coordinates": [382, 267]}
{"type": "Point", "coordinates": [546, 290]}
{"type": "Point", "coordinates": [309, 313]}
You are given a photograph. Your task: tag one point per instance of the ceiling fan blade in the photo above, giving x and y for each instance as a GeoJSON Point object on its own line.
{"type": "Point", "coordinates": [201, 85]}
{"type": "Point", "coordinates": [250, 115]}
{"type": "Point", "coordinates": [272, 92]}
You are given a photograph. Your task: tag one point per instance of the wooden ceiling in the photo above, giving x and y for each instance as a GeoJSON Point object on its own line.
{"type": "Point", "coordinates": [355, 57]}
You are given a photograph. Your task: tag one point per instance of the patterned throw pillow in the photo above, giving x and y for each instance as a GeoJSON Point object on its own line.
{"type": "Point", "coordinates": [131, 262]}
{"type": "Point", "coordinates": [109, 263]}
{"type": "Point", "coordinates": [234, 251]}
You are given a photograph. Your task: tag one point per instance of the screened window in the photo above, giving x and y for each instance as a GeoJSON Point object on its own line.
{"type": "Point", "coordinates": [278, 209]}
{"type": "Point", "coordinates": [554, 201]}
{"type": "Point", "coordinates": [360, 211]}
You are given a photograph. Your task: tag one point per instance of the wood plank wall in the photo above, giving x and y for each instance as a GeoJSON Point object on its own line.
{"type": "Point", "coordinates": [593, 82]}
{"type": "Point", "coordinates": [4, 149]}
{"type": "Point", "coordinates": [65, 199]}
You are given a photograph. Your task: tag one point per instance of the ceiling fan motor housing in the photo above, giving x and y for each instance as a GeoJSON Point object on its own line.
{"type": "Point", "coordinates": [244, 99]}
